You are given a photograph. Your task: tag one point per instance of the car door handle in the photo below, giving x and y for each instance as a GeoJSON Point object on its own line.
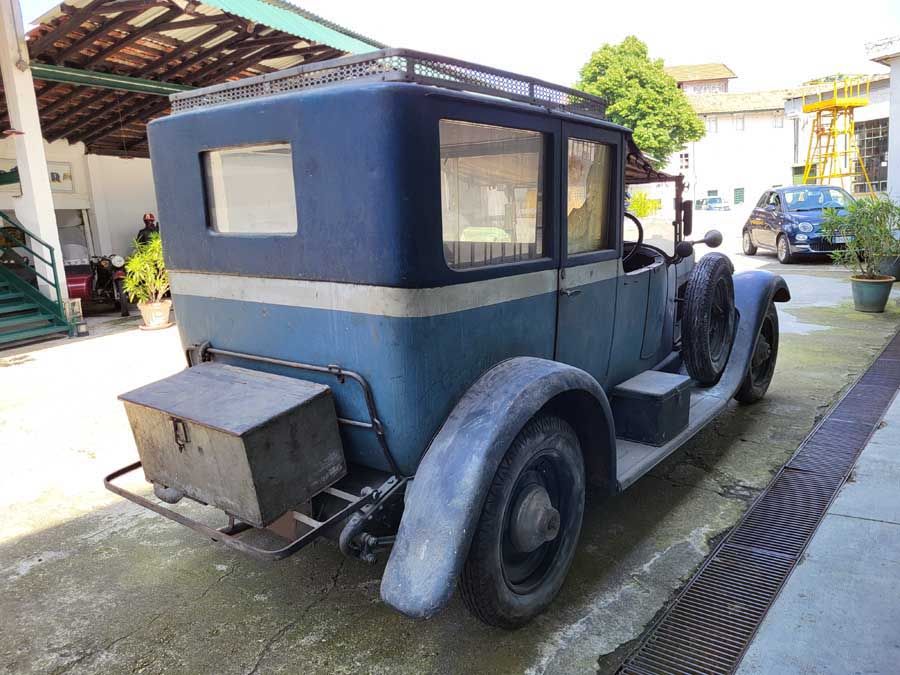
{"type": "Point", "coordinates": [569, 292]}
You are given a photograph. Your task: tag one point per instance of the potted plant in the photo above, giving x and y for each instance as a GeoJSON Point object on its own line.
{"type": "Point", "coordinates": [866, 230]}
{"type": "Point", "coordinates": [147, 282]}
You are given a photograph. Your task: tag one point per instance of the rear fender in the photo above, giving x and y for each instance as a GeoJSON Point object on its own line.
{"type": "Point", "coordinates": [444, 501]}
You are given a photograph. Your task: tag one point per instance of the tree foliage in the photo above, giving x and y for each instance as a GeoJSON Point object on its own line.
{"type": "Point", "coordinates": [641, 96]}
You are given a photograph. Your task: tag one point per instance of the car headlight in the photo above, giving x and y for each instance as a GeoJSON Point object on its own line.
{"type": "Point", "coordinates": [117, 260]}
{"type": "Point", "coordinates": [805, 227]}
{"type": "Point", "coordinates": [800, 237]}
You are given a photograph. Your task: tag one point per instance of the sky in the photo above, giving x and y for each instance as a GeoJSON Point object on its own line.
{"type": "Point", "coordinates": [769, 44]}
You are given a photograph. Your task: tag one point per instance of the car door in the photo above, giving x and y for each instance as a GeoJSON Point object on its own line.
{"type": "Point", "coordinates": [757, 219]}
{"type": "Point", "coordinates": [592, 174]}
{"type": "Point", "coordinates": [771, 220]}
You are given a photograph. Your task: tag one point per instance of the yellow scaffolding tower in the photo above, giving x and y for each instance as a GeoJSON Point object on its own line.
{"type": "Point", "coordinates": [833, 155]}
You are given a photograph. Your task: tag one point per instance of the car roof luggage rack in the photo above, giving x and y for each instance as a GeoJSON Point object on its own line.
{"type": "Point", "coordinates": [397, 65]}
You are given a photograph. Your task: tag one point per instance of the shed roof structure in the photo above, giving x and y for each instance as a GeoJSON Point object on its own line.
{"type": "Point", "coordinates": [700, 71]}
{"type": "Point", "coordinates": [104, 68]}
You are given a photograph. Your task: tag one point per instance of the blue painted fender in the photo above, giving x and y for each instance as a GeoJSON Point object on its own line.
{"type": "Point", "coordinates": [444, 501]}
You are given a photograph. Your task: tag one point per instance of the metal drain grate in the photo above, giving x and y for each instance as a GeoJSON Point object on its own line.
{"type": "Point", "coordinates": [711, 623]}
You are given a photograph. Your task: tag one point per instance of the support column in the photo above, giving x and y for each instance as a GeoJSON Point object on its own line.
{"type": "Point", "coordinates": [887, 52]}
{"type": "Point", "coordinates": [34, 208]}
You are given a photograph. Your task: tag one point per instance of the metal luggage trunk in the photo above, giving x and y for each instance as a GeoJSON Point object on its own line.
{"type": "Point", "coordinates": [251, 443]}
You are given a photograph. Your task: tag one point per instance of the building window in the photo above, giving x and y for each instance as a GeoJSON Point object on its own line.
{"type": "Point", "coordinates": [589, 171]}
{"type": "Point", "coordinates": [778, 120]}
{"type": "Point", "coordinates": [250, 189]}
{"type": "Point", "coordinates": [684, 160]}
{"type": "Point", "coordinates": [712, 193]}
{"type": "Point", "coordinates": [491, 186]}
{"type": "Point", "coordinates": [712, 124]}
{"type": "Point", "coordinates": [738, 122]}
{"type": "Point", "coordinates": [872, 141]}
{"type": "Point", "coordinates": [738, 195]}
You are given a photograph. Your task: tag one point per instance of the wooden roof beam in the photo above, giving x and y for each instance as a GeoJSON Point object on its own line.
{"type": "Point", "coordinates": [133, 37]}
{"type": "Point", "coordinates": [88, 40]}
{"type": "Point", "coordinates": [73, 20]}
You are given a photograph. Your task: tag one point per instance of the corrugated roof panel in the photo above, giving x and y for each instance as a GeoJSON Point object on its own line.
{"type": "Point", "coordinates": [292, 23]}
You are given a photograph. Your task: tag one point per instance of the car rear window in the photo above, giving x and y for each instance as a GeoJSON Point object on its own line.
{"type": "Point", "coordinates": [491, 201]}
{"type": "Point", "coordinates": [250, 189]}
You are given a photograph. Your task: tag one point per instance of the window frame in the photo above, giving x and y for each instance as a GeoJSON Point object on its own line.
{"type": "Point", "coordinates": [491, 115]}
{"type": "Point", "coordinates": [207, 206]}
{"type": "Point", "coordinates": [615, 214]}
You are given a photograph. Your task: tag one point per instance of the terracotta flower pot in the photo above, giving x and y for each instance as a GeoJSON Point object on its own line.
{"type": "Point", "coordinates": [155, 314]}
{"type": "Point", "coordinates": [871, 295]}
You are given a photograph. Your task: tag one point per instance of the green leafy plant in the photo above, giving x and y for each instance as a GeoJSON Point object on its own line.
{"type": "Point", "coordinates": [642, 206]}
{"type": "Point", "coordinates": [641, 96]}
{"type": "Point", "coordinates": [146, 278]}
{"type": "Point", "coordinates": [868, 229]}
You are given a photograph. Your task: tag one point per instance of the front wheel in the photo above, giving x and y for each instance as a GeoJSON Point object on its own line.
{"type": "Point", "coordinates": [762, 365]}
{"type": "Point", "coordinates": [783, 250]}
{"type": "Point", "coordinates": [122, 304]}
{"type": "Point", "coordinates": [525, 540]}
{"type": "Point", "coordinates": [748, 245]}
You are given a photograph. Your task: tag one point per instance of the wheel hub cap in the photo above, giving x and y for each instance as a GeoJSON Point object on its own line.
{"type": "Point", "coordinates": [534, 520]}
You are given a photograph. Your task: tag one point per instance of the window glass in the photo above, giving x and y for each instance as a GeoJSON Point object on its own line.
{"type": "Point", "coordinates": [491, 183]}
{"type": "Point", "coordinates": [816, 198]}
{"type": "Point", "coordinates": [250, 189]}
{"type": "Point", "coordinates": [590, 168]}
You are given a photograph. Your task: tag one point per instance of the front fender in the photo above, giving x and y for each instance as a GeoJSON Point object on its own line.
{"type": "Point", "coordinates": [753, 292]}
{"type": "Point", "coordinates": [444, 501]}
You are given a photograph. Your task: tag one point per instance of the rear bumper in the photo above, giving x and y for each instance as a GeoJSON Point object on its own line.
{"type": "Point", "coordinates": [228, 535]}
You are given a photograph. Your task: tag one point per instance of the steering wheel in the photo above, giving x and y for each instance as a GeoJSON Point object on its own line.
{"type": "Point", "coordinates": [640, 229]}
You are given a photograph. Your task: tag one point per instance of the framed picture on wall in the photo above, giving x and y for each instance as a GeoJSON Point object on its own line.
{"type": "Point", "coordinates": [60, 174]}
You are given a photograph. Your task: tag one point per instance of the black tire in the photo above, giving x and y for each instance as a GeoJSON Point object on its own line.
{"type": "Point", "coordinates": [707, 326]}
{"type": "Point", "coordinates": [502, 584]}
{"type": "Point", "coordinates": [122, 304]}
{"type": "Point", "coordinates": [748, 245]}
{"type": "Point", "coordinates": [762, 365]}
{"type": "Point", "coordinates": [783, 250]}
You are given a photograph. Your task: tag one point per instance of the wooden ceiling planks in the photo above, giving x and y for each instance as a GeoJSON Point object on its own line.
{"type": "Point", "coordinates": [151, 39]}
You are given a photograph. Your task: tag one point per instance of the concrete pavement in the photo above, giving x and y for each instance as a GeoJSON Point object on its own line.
{"type": "Point", "coordinates": [840, 609]}
{"type": "Point", "coordinates": [91, 583]}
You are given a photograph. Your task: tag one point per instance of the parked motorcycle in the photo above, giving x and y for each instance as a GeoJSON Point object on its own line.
{"type": "Point", "coordinates": [99, 281]}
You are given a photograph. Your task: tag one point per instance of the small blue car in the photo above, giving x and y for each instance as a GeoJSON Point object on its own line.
{"type": "Point", "coordinates": [788, 220]}
{"type": "Point", "coordinates": [416, 324]}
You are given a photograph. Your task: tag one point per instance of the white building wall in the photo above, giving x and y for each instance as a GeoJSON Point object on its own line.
{"type": "Point", "coordinates": [754, 157]}
{"type": "Point", "coordinates": [121, 192]}
{"type": "Point", "coordinates": [115, 193]}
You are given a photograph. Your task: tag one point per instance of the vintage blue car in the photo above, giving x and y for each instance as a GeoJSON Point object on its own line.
{"type": "Point", "coordinates": [788, 220]}
{"type": "Point", "coordinates": [415, 323]}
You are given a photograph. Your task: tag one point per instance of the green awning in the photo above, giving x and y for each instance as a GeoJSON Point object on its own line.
{"type": "Point", "coordinates": [292, 23]}
{"type": "Point", "coordinates": [91, 78]}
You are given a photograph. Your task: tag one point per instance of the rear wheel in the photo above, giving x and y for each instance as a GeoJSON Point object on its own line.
{"type": "Point", "coordinates": [748, 245]}
{"type": "Point", "coordinates": [762, 365]}
{"type": "Point", "coordinates": [526, 537]}
{"type": "Point", "coordinates": [783, 250]}
{"type": "Point", "coordinates": [707, 327]}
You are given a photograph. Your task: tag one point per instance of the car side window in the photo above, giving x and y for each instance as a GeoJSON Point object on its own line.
{"type": "Point", "coordinates": [762, 200]}
{"type": "Point", "coordinates": [491, 194]}
{"type": "Point", "coordinates": [774, 201]}
{"type": "Point", "coordinates": [588, 190]}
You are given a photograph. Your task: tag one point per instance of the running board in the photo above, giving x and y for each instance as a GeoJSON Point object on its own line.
{"type": "Point", "coordinates": [636, 459]}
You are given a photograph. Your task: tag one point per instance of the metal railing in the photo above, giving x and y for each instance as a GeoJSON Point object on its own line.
{"type": "Point", "coordinates": [48, 258]}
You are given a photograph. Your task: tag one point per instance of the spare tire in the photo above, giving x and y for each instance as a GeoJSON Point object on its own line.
{"type": "Point", "coordinates": [707, 326]}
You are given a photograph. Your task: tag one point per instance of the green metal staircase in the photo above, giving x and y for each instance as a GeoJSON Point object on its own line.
{"type": "Point", "coordinates": [25, 313]}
